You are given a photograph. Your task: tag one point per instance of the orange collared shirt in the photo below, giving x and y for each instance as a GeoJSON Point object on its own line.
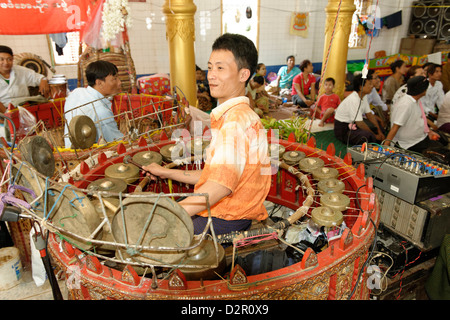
{"type": "Point", "coordinates": [237, 158]}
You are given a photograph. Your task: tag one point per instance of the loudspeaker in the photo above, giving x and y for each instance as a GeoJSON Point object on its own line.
{"type": "Point", "coordinates": [426, 18]}
{"type": "Point", "coordinates": [444, 30]}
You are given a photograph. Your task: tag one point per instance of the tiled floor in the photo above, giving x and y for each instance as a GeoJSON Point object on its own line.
{"type": "Point", "coordinates": [27, 289]}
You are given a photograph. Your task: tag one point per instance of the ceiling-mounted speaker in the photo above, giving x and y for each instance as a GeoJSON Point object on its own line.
{"type": "Point", "coordinates": [426, 18]}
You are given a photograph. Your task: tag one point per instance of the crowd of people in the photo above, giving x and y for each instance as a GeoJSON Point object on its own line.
{"type": "Point", "coordinates": [409, 109]}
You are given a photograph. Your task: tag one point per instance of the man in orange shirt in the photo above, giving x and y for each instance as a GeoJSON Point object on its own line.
{"type": "Point", "coordinates": [236, 175]}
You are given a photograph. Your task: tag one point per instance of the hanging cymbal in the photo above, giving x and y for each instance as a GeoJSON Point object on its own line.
{"type": "Point", "coordinates": [108, 184]}
{"type": "Point", "coordinates": [336, 201]}
{"type": "Point", "coordinates": [327, 217]}
{"type": "Point", "coordinates": [205, 254]}
{"type": "Point", "coordinates": [331, 185]}
{"type": "Point", "coordinates": [197, 146]}
{"type": "Point", "coordinates": [325, 173]}
{"type": "Point", "coordinates": [171, 151]}
{"type": "Point", "coordinates": [123, 171]}
{"type": "Point", "coordinates": [144, 158]}
{"type": "Point", "coordinates": [293, 157]}
{"type": "Point", "coordinates": [311, 163]}
{"type": "Point", "coordinates": [82, 132]}
{"type": "Point", "coordinates": [166, 223]}
{"type": "Point", "coordinates": [276, 150]}
{"type": "Point", "coordinates": [37, 151]}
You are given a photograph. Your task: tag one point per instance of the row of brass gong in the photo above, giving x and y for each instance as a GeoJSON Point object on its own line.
{"type": "Point", "coordinates": [157, 222]}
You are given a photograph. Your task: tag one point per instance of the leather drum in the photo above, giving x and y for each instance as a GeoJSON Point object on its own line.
{"type": "Point", "coordinates": [159, 223]}
{"type": "Point", "coordinates": [58, 87]}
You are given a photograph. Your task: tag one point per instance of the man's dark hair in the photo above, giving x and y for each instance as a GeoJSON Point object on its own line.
{"type": "Point", "coordinates": [6, 49]}
{"type": "Point", "coordinates": [396, 64]}
{"type": "Point", "coordinates": [304, 64]}
{"type": "Point", "coordinates": [432, 68]}
{"type": "Point", "coordinates": [259, 79]}
{"type": "Point", "coordinates": [290, 57]}
{"type": "Point", "coordinates": [243, 49]}
{"type": "Point", "coordinates": [330, 80]}
{"type": "Point", "coordinates": [99, 70]}
{"type": "Point", "coordinates": [358, 82]}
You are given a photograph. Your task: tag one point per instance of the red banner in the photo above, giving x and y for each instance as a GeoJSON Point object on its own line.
{"type": "Point", "coordinates": [20, 17]}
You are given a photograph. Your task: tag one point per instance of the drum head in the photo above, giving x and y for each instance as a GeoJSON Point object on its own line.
{"type": "Point", "coordinates": [82, 132]}
{"type": "Point", "coordinates": [157, 223]}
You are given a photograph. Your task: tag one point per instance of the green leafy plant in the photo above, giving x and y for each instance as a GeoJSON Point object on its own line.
{"type": "Point", "coordinates": [285, 127]}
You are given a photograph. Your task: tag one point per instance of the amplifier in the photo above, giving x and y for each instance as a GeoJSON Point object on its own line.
{"type": "Point", "coordinates": [424, 224]}
{"type": "Point", "coordinates": [406, 175]}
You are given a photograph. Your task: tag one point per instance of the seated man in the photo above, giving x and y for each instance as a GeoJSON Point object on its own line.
{"type": "Point", "coordinates": [283, 84]}
{"type": "Point", "coordinates": [432, 101]}
{"type": "Point", "coordinates": [349, 126]}
{"type": "Point", "coordinates": [236, 174]}
{"type": "Point", "coordinates": [92, 101]}
{"type": "Point", "coordinates": [15, 80]}
{"type": "Point", "coordinates": [409, 127]}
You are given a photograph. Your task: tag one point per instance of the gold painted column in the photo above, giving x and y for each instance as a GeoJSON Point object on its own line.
{"type": "Point", "coordinates": [337, 58]}
{"type": "Point", "coordinates": [180, 34]}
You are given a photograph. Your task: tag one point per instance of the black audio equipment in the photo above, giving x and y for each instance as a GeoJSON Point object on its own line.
{"type": "Point", "coordinates": [427, 17]}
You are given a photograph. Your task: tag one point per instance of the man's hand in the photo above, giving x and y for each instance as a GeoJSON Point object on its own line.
{"type": "Point", "coordinates": [44, 88]}
{"type": "Point", "coordinates": [433, 135]}
{"type": "Point", "coordinates": [155, 171]}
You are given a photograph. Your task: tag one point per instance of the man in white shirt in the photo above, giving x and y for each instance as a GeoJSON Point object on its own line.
{"type": "Point", "coordinates": [434, 97]}
{"type": "Point", "coordinates": [349, 125]}
{"type": "Point", "coordinates": [15, 80]}
{"type": "Point", "coordinates": [94, 102]}
{"type": "Point", "coordinates": [408, 123]}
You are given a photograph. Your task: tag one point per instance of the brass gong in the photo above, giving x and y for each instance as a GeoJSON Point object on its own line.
{"type": "Point", "coordinates": [74, 212]}
{"type": "Point", "coordinates": [336, 201]}
{"type": "Point", "coordinates": [36, 151]}
{"type": "Point", "coordinates": [331, 185]}
{"type": "Point", "coordinates": [325, 173]}
{"type": "Point", "coordinates": [82, 132]}
{"type": "Point", "coordinates": [123, 171]}
{"type": "Point", "coordinates": [327, 217]}
{"type": "Point", "coordinates": [144, 158]}
{"type": "Point", "coordinates": [276, 150]}
{"type": "Point", "coordinates": [293, 157]}
{"type": "Point", "coordinates": [155, 222]}
{"type": "Point", "coordinates": [108, 184]}
{"type": "Point", "coordinates": [198, 146]}
{"type": "Point", "coordinates": [170, 150]}
{"type": "Point", "coordinates": [310, 164]}
{"type": "Point", "coordinates": [204, 255]}
{"type": "Point", "coordinates": [110, 205]}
